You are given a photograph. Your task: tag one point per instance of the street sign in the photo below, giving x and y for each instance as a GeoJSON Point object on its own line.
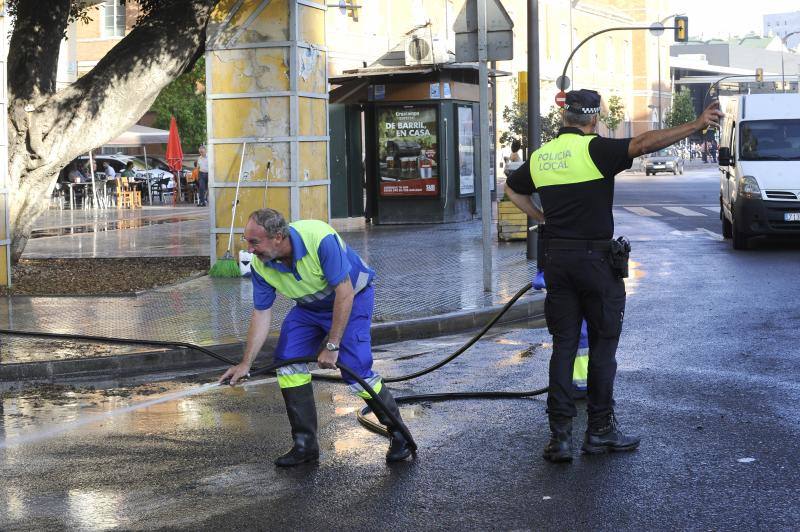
{"type": "Point", "coordinates": [657, 29]}
{"type": "Point", "coordinates": [562, 82]}
{"type": "Point", "coordinates": [561, 99]}
{"type": "Point", "coordinates": [499, 34]}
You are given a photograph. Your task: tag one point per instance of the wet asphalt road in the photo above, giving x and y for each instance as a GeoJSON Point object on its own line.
{"type": "Point", "coordinates": [708, 374]}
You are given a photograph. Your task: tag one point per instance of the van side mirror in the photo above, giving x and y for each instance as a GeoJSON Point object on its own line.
{"type": "Point", "coordinates": [724, 156]}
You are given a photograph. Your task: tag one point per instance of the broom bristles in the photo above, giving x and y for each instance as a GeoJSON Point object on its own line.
{"type": "Point", "coordinates": [225, 268]}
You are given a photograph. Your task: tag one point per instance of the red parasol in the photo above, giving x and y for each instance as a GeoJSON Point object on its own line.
{"type": "Point", "coordinates": [175, 153]}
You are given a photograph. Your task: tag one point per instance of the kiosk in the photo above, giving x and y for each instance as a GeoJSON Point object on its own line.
{"type": "Point", "coordinates": [420, 142]}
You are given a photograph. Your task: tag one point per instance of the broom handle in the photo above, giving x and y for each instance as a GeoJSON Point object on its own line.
{"type": "Point", "coordinates": [236, 197]}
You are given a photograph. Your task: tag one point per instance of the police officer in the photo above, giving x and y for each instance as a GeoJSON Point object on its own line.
{"type": "Point", "coordinates": [574, 176]}
{"type": "Point", "coordinates": [309, 262]}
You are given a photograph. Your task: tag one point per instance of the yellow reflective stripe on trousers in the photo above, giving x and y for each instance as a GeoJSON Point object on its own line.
{"type": "Point", "coordinates": [293, 375]}
{"type": "Point", "coordinates": [375, 382]}
{"type": "Point", "coordinates": [292, 381]}
{"type": "Point", "coordinates": [580, 371]}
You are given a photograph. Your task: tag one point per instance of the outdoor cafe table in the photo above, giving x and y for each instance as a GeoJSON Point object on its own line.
{"type": "Point", "coordinates": [72, 187]}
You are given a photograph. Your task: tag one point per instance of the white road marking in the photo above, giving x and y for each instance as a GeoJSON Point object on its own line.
{"type": "Point", "coordinates": [684, 211]}
{"type": "Point", "coordinates": [710, 233]}
{"type": "Point", "coordinates": [641, 211]}
{"type": "Point", "coordinates": [700, 231]}
{"type": "Point", "coordinates": [714, 209]}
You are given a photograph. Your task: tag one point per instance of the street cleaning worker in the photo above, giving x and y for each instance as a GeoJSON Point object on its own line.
{"type": "Point", "coordinates": [307, 261]}
{"type": "Point", "coordinates": [574, 176]}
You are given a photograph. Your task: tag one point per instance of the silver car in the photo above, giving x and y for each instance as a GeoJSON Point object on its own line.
{"type": "Point", "coordinates": [666, 160]}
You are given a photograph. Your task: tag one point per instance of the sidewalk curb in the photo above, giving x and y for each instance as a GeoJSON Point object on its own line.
{"type": "Point", "coordinates": [122, 366]}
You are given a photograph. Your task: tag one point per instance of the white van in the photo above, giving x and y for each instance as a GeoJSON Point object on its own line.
{"type": "Point", "coordinates": [759, 159]}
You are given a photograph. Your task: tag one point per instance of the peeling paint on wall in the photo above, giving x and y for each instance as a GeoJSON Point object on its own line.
{"type": "Point", "coordinates": [308, 62]}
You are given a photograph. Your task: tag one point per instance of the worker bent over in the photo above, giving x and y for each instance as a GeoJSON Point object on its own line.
{"type": "Point", "coordinates": [307, 261]}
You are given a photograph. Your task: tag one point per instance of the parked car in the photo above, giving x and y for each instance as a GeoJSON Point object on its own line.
{"type": "Point", "coordinates": [666, 160]}
{"type": "Point", "coordinates": [160, 163]}
{"type": "Point", "coordinates": [119, 161]}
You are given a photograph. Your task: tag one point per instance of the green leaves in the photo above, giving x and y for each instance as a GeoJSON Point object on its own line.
{"type": "Point", "coordinates": [186, 99]}
{"type": "Point", "coordinates": [682, 109]}
{"type": "Point", "coordinates": [516, 116]}
{"type": "Point", "coordinates": [615, 115]}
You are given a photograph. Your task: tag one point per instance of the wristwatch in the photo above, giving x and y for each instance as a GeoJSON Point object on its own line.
{"type": "Point", "coordinates": [330, 346]}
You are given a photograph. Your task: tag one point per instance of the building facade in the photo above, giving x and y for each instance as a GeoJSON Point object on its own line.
{"type": "Point", "coordinates": [622, 63]}
{"type": "Point", "coordinates": [783, 25]}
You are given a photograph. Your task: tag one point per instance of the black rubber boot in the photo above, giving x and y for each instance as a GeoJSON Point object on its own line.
{"type": "Point", "coordinates": [604, 436]}
{"type": "Point", "coordinates": [302, 412]}
{"type": "Point", "coordinates": [559, 448]}
{"type": "Point", "coordinates": [399, 447]}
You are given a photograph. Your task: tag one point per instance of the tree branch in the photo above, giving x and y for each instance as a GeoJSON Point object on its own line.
{"type": "Point", "coordinates": [123, 85]}
{"type": "Point", "coordinates": [33, 57]}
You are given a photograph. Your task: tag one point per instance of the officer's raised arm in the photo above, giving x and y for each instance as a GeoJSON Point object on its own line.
{"type": "Point", "coordinates": [661, 138]}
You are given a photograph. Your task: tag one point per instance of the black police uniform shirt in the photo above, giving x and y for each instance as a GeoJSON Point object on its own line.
{"type": "Point", "coordinates": [582, 210]}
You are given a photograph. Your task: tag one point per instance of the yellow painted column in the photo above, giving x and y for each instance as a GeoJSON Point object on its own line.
{"type": "Point", "coordinates": [267, 90]}
{"type": "Point", "coordinates": [5, 243]}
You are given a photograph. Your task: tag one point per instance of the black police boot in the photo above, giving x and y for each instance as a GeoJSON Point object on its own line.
{"type": "Point", "coordinates": [559, 448]}
{"type": "Point", "coordinates": [605, 435]}
{"type": "Point", "coordinates": [302, 414]}
{"type": "Point", "coordinates": [399, 446]}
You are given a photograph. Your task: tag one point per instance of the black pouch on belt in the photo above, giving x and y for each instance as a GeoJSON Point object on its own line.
{"type": "Point", "coordinates": [620, 252]}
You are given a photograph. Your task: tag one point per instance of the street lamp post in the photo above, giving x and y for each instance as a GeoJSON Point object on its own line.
{"type": "Point", "coordinates": [783, 46]}
{"type": "Point", "coordinates": [657, 29]}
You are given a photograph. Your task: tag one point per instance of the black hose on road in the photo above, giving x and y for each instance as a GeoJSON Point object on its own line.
{"type": "Point", "coordinates": [364, 411]}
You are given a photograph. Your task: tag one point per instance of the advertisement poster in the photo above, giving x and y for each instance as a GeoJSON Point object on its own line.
{"type": "Point", "coordinates": [408, 151]}
{"type": "Point", "coordinates": [466, 152]}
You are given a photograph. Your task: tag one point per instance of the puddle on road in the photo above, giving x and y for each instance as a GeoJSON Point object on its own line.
{"type": "Point", "coordinates": [55, 409]}
{"type": "Point", "coordinates": [111, 225]}
{"type": "Point", "coordinates": [356, 441]}
{"type": "Point", "coordinates": [508, 341]}
{"type": "Point", "coordinates": [635, 275]}
{"type": "Point", "coordinates": [20, 349]}
{"type": "Point", "coordinates": [539, 350]}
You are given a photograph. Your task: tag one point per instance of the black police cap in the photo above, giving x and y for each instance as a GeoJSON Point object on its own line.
{"type": "Point", "coordinates": [583, 102]}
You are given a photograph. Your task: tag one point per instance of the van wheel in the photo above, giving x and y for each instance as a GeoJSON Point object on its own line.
{"type": "Point", "coordinates": [727, 228]}
{"type": "Point", "coordinates": [739, 238]}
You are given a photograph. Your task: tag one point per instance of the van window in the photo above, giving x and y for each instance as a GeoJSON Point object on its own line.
{"type": "Point", "coordinates": [769, 140]}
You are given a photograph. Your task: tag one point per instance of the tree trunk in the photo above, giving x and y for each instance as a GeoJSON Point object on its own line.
{"type": "Point", "coordinates": [48, 129]}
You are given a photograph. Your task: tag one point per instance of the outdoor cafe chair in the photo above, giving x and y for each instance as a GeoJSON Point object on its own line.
{"type": "Point", "coordinates": [157, 188]}
{"type": "Point", "coordinates": [127, 196]}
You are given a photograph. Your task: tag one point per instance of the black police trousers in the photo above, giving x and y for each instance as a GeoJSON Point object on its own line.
{"type": "Point", "coordinates": [581, 284]}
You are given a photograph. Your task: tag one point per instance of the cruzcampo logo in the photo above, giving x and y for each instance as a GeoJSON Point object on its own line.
{"type": "Point", "coordinates": [553, 160]}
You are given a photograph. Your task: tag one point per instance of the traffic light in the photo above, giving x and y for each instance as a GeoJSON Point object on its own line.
{"type": "Point", "coordinates": [760, 75]}
{"type": "Point", "coordinates": [352, 9]}
{"type": "Point", "coordinates": [522, 87]}
{"type": "Point", "coordinates": [681, 29]}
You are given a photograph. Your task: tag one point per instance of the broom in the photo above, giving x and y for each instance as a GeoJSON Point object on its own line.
{"type": "Point", "coordinates": [227, 266]}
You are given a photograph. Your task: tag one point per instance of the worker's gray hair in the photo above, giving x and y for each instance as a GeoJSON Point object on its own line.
{"type": "Point", "coordinates": [576, 119]}
{"type": "Point", "coordinates": [272, 221]}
